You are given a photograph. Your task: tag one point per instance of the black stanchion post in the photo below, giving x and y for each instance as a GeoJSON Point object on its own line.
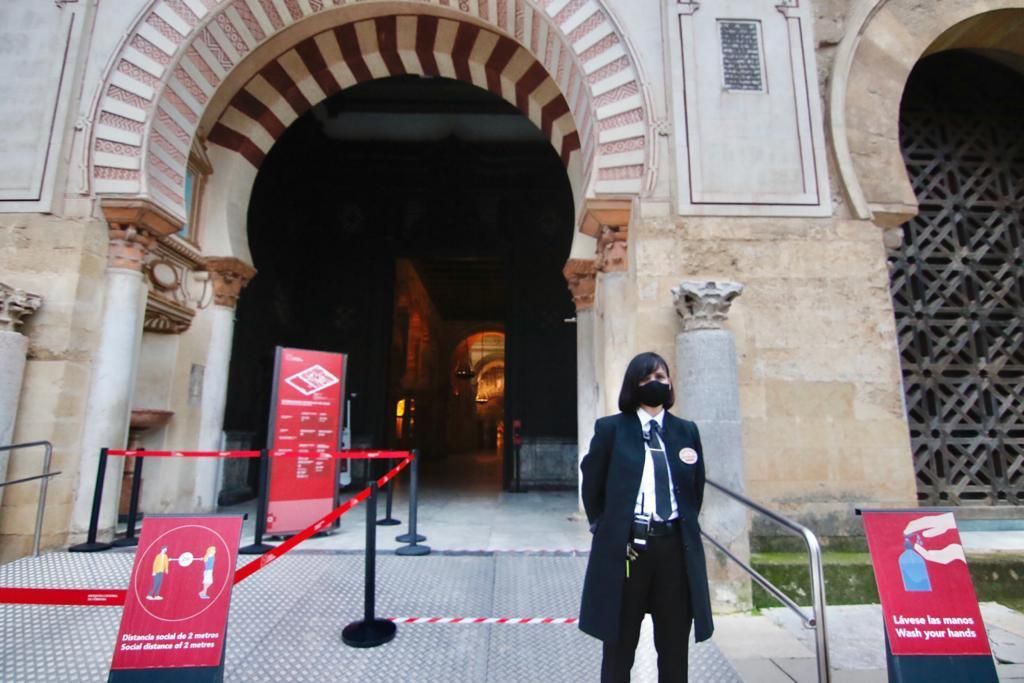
{"type": "Point", "coordinates": [388, 519]}
{"type": "Point", "coordinates": [371, 631]}
{"type": "Point", "coordinates": [133, 508]}
{"type": "Point", "coordinates": [413, 538]}
{"type": "Point", "coordinates": [258, 547]}
{"type": "Point", "coordinates": [91, 545]}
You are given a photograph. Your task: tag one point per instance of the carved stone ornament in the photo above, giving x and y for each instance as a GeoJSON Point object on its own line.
{"type": "Point", "coordinates": [135, 226]}
{"type": "Point", "coordinates": [581, 276]}
{"type": "Point", "coordinates": [612, 250]}
{"type": "Point", "coordinates": [704, 305]}
{"type": "Point", "coordinates": [165, 316]}
{"type": "Point", "coordinates": [229, 276]}
{"type": "Point", "coordinates": [14, 305]}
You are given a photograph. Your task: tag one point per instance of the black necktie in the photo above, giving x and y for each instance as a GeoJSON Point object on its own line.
{"type": "Point", "coordinates": [662, 502]}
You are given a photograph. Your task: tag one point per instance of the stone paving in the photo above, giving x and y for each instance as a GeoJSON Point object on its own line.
{"type": "Point", "coordinates": [494, 554]}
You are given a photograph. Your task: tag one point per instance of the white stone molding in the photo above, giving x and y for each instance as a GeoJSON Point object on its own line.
{"type": "Point", "coordinates": [16, 304]}
{"type": "Point", "coordinates": [704, 305]}
{"type": "Point", "coordinates": [748, 127]}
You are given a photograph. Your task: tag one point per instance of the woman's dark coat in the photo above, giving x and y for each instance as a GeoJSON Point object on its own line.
{"type": "Point", "coordinates": [611, 482]}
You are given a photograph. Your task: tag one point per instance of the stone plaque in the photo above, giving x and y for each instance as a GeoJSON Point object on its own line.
{"type": "Point", "coordinates": [742, 65]}
{"type": "Point", "coordinates": [34, 38]}
{"type": "Point", "coordinates": [745, 99]}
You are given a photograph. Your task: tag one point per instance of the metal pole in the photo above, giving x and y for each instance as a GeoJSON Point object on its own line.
{"type": "Point", "coordinates": [388, 519]}
{"type": "Point", "coordinates": [133, 507]}
{"type": "Point", "coordinates": [818, 596]}
{"type": "Point", "coordinates": [43, 485]}
{"type": "Point", "coordinates": [91, 545]}
{"type": "Point", "coordinates": [258, 547]}
{"type": "Point", "coordinates": [371, 631]}
{"type": "Point", "coordinates": [413, 538]}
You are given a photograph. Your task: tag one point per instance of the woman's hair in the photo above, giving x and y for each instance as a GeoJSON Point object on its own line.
{"type": "Point", "coordinates": [640, 367]}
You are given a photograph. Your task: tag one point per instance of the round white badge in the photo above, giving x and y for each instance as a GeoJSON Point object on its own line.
{"type": "Point", "coordinates": [185, 559]}
{"type": "Point", "coordinates": [688, 456]}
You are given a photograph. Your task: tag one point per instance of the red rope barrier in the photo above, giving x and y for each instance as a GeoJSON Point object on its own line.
{"type": "Point", "coordinates": [275, 453]}
{"type": "Point", "coordinates": [114, 597]}
{"type": "Point", "coordinates": [185, 454]}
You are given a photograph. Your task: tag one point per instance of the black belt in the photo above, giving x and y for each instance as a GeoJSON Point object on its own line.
{"type": "Point", "coordinates": [663, 528]}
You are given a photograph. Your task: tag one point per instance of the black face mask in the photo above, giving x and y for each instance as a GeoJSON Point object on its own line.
{"type": "Point", "coordinates": [653, 394]}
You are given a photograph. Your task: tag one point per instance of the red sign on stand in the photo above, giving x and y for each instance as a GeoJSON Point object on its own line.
{"type": "Point", "coordinates": [928, 600]}
{"type": "Point", "coordinates": [176, 607]}
{"type": "Point", "coordinates": [309, 387]}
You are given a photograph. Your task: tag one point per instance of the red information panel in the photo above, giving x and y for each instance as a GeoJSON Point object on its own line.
{"type": "Point", "coordinates": [928, 600]}
{"type": "Point", "coordinates": [176, 608]}
{"type": "Point", "coordinates": [306, 416]}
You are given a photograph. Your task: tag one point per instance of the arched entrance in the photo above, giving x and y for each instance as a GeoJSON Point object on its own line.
{"type": "Point", "coordinates": [958, 279]}
{"type": "Point", "coordinates": [248, 69]}
{"type": "Point", "coordinates": [907, 143]}
{"type": "Point", "coordinates": [419, 225]}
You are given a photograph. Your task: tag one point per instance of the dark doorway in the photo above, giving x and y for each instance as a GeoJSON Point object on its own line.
{"type": "Point", "coordinates": [393, 222]}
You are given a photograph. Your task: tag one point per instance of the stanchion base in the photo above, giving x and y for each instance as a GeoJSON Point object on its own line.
{"type": "Point", "coordinates": [408, 538]}
{"type": "Point", "coordinates": [255, 549]}
{"type": "Point", "coordinates": [368, 633]}
{"type": "Point", "coordinates": [412, 550]}
{"type": "Point", "coordinates": [89, 547]}
{"type": "Point", "coordinates": [126, 542]}
{"type": "Point", "coordinates": [388, 521]}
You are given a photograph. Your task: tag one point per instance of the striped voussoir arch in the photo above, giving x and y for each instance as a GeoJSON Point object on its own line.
{"type": "Point", "coordinates": [386, 46]}
{"type": "Point", "coordinates": [561, 62]}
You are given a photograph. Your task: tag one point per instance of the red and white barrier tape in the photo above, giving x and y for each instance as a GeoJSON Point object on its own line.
{"type": "Point", "coordinates": [115, 597]}
{"type": "Point", "coordinates": [484, 620]}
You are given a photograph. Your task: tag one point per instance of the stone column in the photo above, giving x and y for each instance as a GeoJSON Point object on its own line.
{"type": "Point", "coordinates": [707, 391]}
{"type": "Point", "coordinates": [228, 275]}
{"type": "Point", "coordinates": [615, 312]}
{"type": "Point", "coordinates": [581, 275]}
{"type": "Point", "coordinates": [14, 305]}
{"type": "Point", "coordinates": [135, 225]}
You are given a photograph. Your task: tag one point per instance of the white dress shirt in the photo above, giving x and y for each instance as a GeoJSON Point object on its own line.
{"type": "Point", "coordinates": [645, 497]}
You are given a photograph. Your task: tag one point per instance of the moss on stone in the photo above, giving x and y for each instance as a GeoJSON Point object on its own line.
{"type": "Point", "coordinates": [850, 580]}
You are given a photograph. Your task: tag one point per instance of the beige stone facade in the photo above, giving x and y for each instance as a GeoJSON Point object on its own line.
{"type": "Point", "coordinates": [135, 88]}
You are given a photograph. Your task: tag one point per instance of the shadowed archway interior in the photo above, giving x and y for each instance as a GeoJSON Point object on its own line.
{"type": "Point", "coordinates": [391, 222]}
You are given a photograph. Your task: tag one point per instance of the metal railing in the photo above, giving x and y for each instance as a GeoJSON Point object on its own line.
{"type": "Point", "coordinates": [44, 482]}
{"type": "Point", "coordinates": [816, 620]}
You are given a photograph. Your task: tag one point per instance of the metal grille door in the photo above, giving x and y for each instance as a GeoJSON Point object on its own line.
{"type": "Point", "coordinates": [958, 281]}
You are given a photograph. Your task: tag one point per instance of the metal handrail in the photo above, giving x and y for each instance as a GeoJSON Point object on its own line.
{"type": "Point", "coordinates": [816, 620]}
{"type": "Point", "coordinates": [44, 482]}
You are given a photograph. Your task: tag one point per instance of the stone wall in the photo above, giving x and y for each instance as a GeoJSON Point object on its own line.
{"type": "Point", "coordinates": [62, 260]}
{"type": "Point", "coordinates": [819, 374]}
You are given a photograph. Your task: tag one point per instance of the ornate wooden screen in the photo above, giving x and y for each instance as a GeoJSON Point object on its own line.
{"type": "Point", "coordinates": [958, 281]}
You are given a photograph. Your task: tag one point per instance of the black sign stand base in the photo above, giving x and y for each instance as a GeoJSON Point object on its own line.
{"type": "Point", "coordinates": [192, 674]}
{"type": "Point", "coordinates": [945, 668]}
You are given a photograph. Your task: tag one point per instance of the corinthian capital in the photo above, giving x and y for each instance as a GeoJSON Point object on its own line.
{"type": "Point", "coordinates": [704, 305]}
{"type": "Point", "coordinates": [229, 276]}
{"type": "Point", "coordinates": [14, 305]}
{"type": "Point", "coordinates": [135, 226]}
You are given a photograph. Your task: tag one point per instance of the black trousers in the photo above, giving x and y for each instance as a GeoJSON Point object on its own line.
{"type": "Point", "coordinates": [656, 584]}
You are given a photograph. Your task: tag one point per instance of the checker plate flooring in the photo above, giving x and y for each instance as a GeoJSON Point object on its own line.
{"type": "Point", "coordinates": [286, 620]}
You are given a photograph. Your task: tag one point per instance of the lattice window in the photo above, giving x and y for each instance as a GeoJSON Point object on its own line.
{"type": "Point", "coordinates": [957, 282]}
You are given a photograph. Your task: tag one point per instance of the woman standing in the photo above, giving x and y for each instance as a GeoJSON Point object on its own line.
{"type": "Point", "coordinates": [643, 485]}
